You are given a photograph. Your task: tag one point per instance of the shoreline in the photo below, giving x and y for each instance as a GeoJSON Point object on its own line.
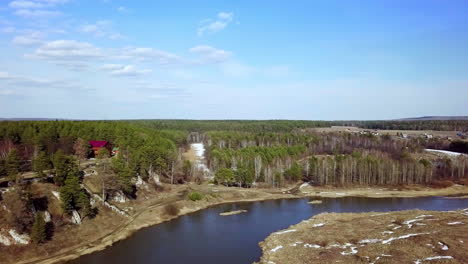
{"type": "Point", "coordinates": [148, 217]}
{"type": "Point", "coordinates": [440, 234]}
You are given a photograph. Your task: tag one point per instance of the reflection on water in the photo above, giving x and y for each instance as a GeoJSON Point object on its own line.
{"type": "Point", "coordinates": [205, 237]}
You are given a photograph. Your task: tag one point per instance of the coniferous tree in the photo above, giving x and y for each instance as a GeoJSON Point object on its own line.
{"type": "Point", "coordinates": [39, 230]}
{"type": "Point", "coordinates": [12, 164]}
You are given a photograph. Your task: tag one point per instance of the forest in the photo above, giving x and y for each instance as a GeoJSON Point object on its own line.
{"type": "Point", "coordinates": [290, 125]}
{"type": "Point", "coordinates": [250, 154]}
{"type": "Point", "coordinates": [273, 159]}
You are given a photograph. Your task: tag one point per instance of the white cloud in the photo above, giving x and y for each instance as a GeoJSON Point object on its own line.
{"type": "Point", "coordinates": [210, 54]}
{"type": "Point", "coordinates": [123, 70]}
{"type": "Point", "coordinates": [30, 39]}
{"type": "Point", "coordinates": [35, 4]}
{"type": "Point", "coordinates": [236, 69]}
{"type": "Point", "coordinates": [123, 9]}
{"type": "Point", "coordinates": [8, 29]}
{"type": "Point", "coordinates": [36, 8]}
{"type": "Point", "coordinates": [101, 28]}
{"type": "Point", "coordinates": [150, 54]}
{"type": "Point", "coordinates": [28, 13]}
{"type": "Point", "coordinates": [33, 83]}
{"type": "Point", "coordinates": [277, 71]}
{"type": "Point", "coordinates": [222, 20]}
{"type": "Point", "coordinates": [26, 4]}
{"type": "Point", "coordinates": [67, 50]}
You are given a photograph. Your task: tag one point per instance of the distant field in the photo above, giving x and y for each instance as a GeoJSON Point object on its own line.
{"type": "Point", "coordinates": [452, 134]}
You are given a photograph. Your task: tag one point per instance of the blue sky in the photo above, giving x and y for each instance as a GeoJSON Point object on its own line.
{"type": "Point", "coordinates": [321, 59]}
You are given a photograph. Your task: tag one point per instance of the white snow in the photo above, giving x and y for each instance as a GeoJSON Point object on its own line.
{"type": "Point", "coordinates": [443, 246]}
{"type": "Point", "coordinates": [276, 248]}
{"type": "Point", "coordinates": [200, 164]}
{"type": "Point", "coordinates": [19, 239]}
{"type": "Point", "coordinates": [455, 223]}
{"type": "Point", "coordinates": [370, 241]}
{"type": "Point", "coordinates": [284, 232]}
{"type": "Point", "coordinates": [5, 240]}
{"type": "Point", "coordinates": [311, 246]}
{"type": "Point", "coordinates": [433, 258]}
{"type": "Point", "coordinates": [387, 232]}
{"type": "Point", "coordinates": [319, 225]}
{"type": "Point", "coordinates": [402, 237]}
{"type": "Point", "coordinates": [450, 153]}
{"type": "Point", "coordinates": [304, 185]}
{"type": "Point", "coordinates": [352, 252]}
{"type": "Point", "coordinates": [409, 222]}
{"type": "Point", "coordinates": [421, 216]}
{"type": "Point", "coordinates": [379, 214]}
{"type": "Point", "coordinates": [296, 243]}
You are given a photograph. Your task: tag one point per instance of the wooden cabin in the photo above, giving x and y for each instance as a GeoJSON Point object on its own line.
{"type": "Point", "coordinates": [96, 145]}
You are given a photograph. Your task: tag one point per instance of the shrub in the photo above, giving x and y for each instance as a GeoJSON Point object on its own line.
{"type": "Point", "coordinates": [171, 209]}
{"type": "Point", "coordinates": [463, 182]}
{"type": "Point", "coordinates": [195, 196]}
{"type": "Point", "coordinates": [441, 184]}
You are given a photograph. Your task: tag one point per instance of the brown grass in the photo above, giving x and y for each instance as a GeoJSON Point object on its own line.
{"type": "Point", "coordinates": [171, 209]}
{"type": "Point", "coordinates": [350, 229]}
{"type": "Point", "coordinates": [442, 184]}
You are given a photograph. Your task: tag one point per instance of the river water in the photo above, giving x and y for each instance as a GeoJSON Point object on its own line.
{"type": "Point", "coordinates": [206, 237]}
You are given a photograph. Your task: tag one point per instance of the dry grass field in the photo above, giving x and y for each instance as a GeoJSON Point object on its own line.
{"type": "Point", "coordinates": [397, 237]}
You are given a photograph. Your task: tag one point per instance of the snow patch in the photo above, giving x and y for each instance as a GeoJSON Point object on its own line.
{"type": "Point", "coordinates": [284, 232]}
{"type": "Point", "coordinates": [276, 248]}
{"type": "Point", "coordinates": [443, 246]}
{"type": "Point", "coordinates": [352, 252]}
{"type": "Point", "coordinates": [455, 223]}
{"type": "Point", "coordinates": [319, 225]}
{"type": "Point", "coordinates": [19, 238]}
{"type": "Point", "coordinates": [4, 240]}
{"type": "Point", "coordinates": [296, 243]}
{"type": "Point", "coordinates": [370, 241]}
{"type": "Point", "coordinates": [418, 261]}
{"type": "Point", "coordinates": [311, 246]}
{"type": "Point", "coordinates": [402, 237]}
{"type": "Point", "coordinates": [422, 216]}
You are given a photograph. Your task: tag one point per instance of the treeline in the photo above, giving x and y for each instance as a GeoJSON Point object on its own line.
{"type": "Point", "coordinates": [291, 125]}
{"type": "Point", "coordinates": [243, 159]}
{"type": "Point", "coordinates": [35, 145]}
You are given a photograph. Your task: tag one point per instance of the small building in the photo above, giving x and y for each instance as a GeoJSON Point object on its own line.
{"type": "Point", "coordinates": [115, 151]}
{"type": "Point", "coordinates": [96, 145]}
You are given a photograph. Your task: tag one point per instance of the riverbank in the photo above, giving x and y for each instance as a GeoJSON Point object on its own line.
{"type": "Point", "coordinates": [148, 212]}
{"type": "Point", "coordinates": [393, 237]}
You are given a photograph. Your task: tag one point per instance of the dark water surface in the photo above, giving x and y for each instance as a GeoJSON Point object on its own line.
{"type": "Point", "coordinates": [205, 237]}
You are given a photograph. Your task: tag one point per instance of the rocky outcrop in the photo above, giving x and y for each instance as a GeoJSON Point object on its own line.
{"type": "Point", "coordinates": [56, 194]}
{"type": "Point", "coordinates": [96, 198]}
{"type": "Point", "coordinates": [4, 240]}
{"type": "Point", "coordinates": [141, 184]}
{"type": "Point", "coordinates": [119, 197]}
{"type": "Point", "coordinates": [22, 239]}
{"type": "Point", "coordinates": [76, 218]}
{"type": "Point", "coordinates": [47, 217]}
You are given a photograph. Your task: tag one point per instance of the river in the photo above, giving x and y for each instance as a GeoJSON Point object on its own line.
{"type": "Point", "coordinates": [206, 237]}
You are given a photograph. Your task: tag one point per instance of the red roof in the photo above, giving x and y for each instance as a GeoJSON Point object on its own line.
{"type": "Point", "coordinates": [98, 143]}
